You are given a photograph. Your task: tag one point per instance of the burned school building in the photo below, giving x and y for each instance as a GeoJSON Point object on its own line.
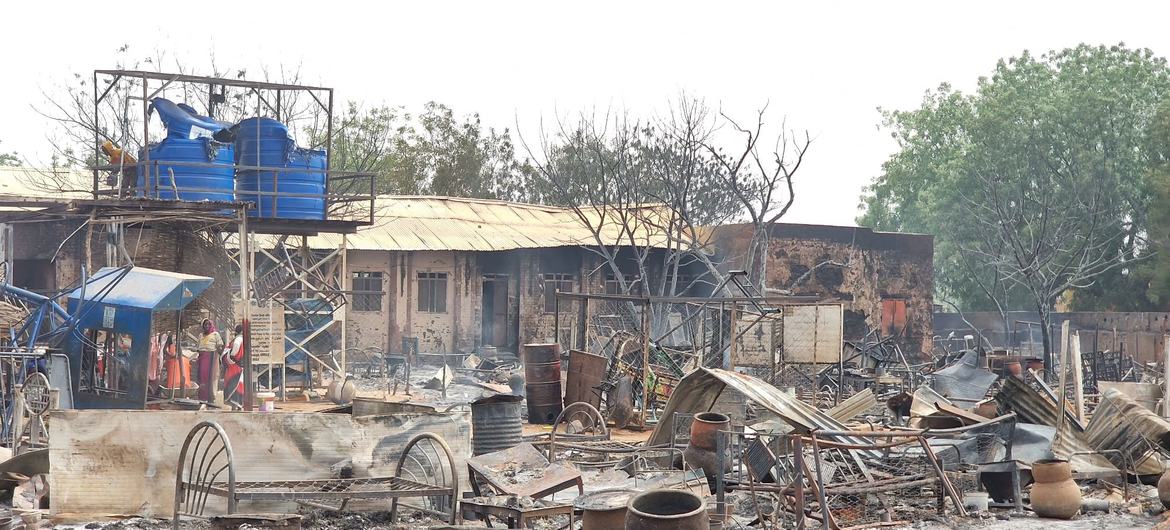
{"type": "Point", "coordinates": [884, 280]}
{"type": "Point", "coordinates": [457, 274]}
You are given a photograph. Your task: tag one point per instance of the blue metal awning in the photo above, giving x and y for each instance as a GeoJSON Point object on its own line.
{"type": "Point", "coordinates": [142, 288]}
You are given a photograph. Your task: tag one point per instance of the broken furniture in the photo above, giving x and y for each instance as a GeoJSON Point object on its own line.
{"type": "Point", "coordinates": [207, 467]}
{"type": "Point", "coordinates": [515, 515]}
{"type": "Point", "coordinates": [521, 471]}
{"type": "Point", "coordinates": [581, 432]}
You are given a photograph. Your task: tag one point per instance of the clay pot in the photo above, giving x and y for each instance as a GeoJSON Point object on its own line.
{"type": "Point", "coordinates": [1055, 494]}
{"type": "Point", "coordinates": [1164, 489]}
{"type": "Point", "coordinates": [700, 452]}
{"type": "Point", "coordinates": [666, 510]}
{"type": "Point", "coordinates": [705, 429]}
{"type": "Point", "coordinates": [603, 510]}
{"type": "Point", "coordinates": [1013, 368]}
{"type": "Point", "coordinates": [1035, 364]}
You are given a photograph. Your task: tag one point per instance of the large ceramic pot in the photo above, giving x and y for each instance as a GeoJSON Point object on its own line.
{"type": "Point", "coordinates": [666, 510]}
{"type": "Point", "coordinates": [700, 452]}
{"type": "Point", "coordinates": [1055, 494]}
{"type": "Point", "coordinates": [1164, 489]}
{"type": "Point", "coordinates": [705, 429]}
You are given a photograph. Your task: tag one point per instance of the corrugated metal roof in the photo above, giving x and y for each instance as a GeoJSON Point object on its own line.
{"type": "Point", "coordinates": [411, 222]}
{"type": "Point", "coordinates": [24, 183]}
{"type": "Point", "coordinates": [142, 287]}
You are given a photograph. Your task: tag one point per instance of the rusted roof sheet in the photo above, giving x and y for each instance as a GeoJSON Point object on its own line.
{"type": "Point", "coordinates": [854, 406]}
{"type": "Point", "coordinates": [411, 222]}
{"type": "Point", "coordinates": [699, 390]}
{"type": "Point", "coordinates": [1033, 406]}
{"type": "Point", "coordinates": [1121, 423]}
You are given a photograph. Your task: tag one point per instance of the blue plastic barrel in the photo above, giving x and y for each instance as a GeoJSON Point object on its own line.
{"type": "Point", "coordinates": [295, 193]}
{"type": "Point", "coordinates": [202, 170]}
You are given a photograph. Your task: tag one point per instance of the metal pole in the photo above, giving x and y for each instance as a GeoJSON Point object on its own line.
{"type": "Point", "coordinates": [246, 307]}
{"type": "Point", "coordinates": [96, 137]}
{"type": "Point", "coordinates": [145, 135]}
{"type": "Point", "coordinates": [344, 309]}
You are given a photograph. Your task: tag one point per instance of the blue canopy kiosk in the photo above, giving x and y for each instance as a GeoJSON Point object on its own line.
{"type": "Point", "coordinates": [109, 346]}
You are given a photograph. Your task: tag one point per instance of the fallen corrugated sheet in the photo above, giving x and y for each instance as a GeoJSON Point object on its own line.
{"type": "Point", "coordinates": [1149, 395]}
{"type": "Point", "coordinates": [1121, 423]}
{"type": "Point", "coordinates": [964, 379]}
{"type": "Point", "coordinates": [926, 402]}
{"type": "Point", "coordinates": [701, 388]}
{"type": "Point", "coordinates": [122, 462]}
{"type": "Point", "coordinates": [854, 406]}
{"type": "Point", "coordinates": [1033, 406]}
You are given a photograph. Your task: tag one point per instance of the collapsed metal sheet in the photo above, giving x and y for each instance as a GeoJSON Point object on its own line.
{"type": "Point", "coordinates": [854, 406]}
{"type": "Point", "coordinates": [122, 462]}
{"type": "Point", "coordinates": [699, 390]}
{"type": "Point", "coordinates": [964, 380]}
{"type": "Point", "coordinates": [1149, 395]}
{"type": "Point", "coordinates": [1040, 408]}
{"type": "Point", "coordinates": [1121, 423]}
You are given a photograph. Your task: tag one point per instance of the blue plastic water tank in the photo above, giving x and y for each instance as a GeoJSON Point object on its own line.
{"type": "Point", "coordinates": [299, 191]}
{"type": "Point", "coordinates": [176, 157]}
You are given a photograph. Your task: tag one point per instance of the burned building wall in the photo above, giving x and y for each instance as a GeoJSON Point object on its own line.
{"type": "Point", "coordinates": [372, 285]}
{"type": "Point", "coordinates": [884, 280]}
{"type": "Point", "coordinates": [173, 247]}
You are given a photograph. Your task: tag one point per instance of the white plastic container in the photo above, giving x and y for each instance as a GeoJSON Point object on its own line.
{"type": "Point", "coordinates": [267, 401]}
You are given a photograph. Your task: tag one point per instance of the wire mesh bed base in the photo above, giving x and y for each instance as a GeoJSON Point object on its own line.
{"type": "Point", "coordinates": [323, 489]}
{"type": "Point", "coordinates": [207, 468]}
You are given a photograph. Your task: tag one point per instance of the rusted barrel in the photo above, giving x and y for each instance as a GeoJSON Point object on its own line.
{"type": "Point", "coordinates": [666, 510]}
{"type": "Point", "coordinates": [495, 424]}
{"type": "Point", "coordinates": [542, 353]}
{"type": "Point", "coordinates": [542, 370]}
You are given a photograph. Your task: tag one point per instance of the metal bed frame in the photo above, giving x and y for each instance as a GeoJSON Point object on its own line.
{"type": "Point", "coordinates": [207, 468]}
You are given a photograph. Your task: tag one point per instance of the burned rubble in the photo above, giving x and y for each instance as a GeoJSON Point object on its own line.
{"type": "Point", "coordinates": [355, 360]}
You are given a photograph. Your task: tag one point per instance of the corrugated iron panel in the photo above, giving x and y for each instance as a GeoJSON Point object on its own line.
{"type": "Point", "coordinates": [854, 406]}
{"type": "Point", "coordinates": [1121, 423]}
{"type": "Point", "coordinates": [699, 390]}
{"type": "Point", "coordinates": [1033, 406]}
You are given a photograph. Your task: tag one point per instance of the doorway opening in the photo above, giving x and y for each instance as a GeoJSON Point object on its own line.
{"type": "Point", "coordinates": [495, 310]}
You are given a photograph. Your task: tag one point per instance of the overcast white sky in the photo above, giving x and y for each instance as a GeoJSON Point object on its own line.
{"type": "Point", "coordinates": [826, 66]}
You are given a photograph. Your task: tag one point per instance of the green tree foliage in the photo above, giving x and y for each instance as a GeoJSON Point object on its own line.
{"type": "Point", "coordinates": [9, 159]}
{"type": "Point", "coordinates": [1036, 185]}
{"type": "Point", "coordinates": [432, 153]}
{"type": "Point", "coordinates": [1157, 270]}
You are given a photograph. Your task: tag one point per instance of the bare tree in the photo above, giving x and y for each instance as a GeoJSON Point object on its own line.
{"type": "Point", "coordinates": [763, 184]}
{"type": "Point", "coordinates": [1048, 231]}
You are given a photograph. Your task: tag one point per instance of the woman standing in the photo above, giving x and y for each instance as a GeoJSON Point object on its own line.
{"type": "Point", "coordinates": [233, 372]}
{"type": "Point", "coordinates": [210, 344]}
